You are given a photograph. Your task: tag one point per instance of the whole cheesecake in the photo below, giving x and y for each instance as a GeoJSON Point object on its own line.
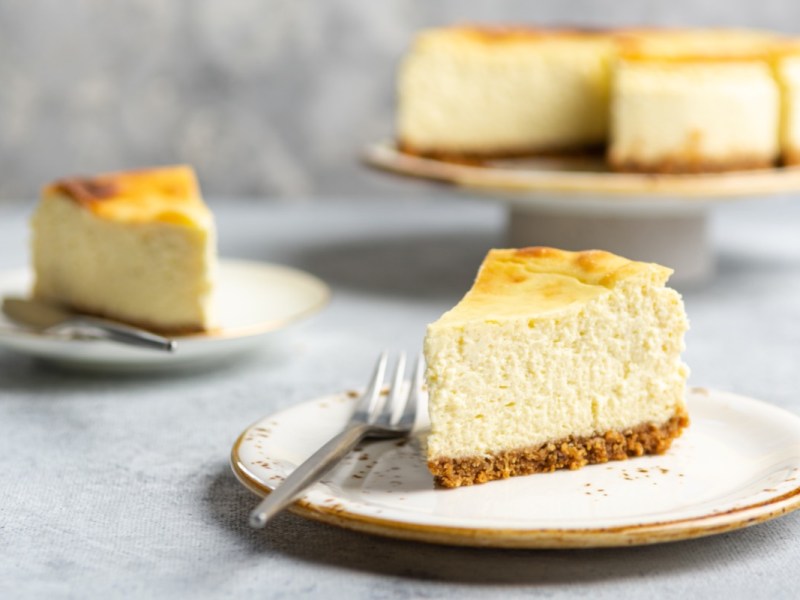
{"type": "Point", "coordinates": [656, 100]}
{"type": "Point", "coordinates": [137, 246]}
{"type": "Point", "coordinates": [471, 92]}
{"type": "Point", "coordinates": [694, 101]}
{"type": "Point", "coordinates": [553, 360]}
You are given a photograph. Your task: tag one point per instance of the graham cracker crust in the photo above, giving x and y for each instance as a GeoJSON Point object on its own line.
{"type": "Point", "coordinates": [570, 453]}
{"type": "Point", "coordinates": [175, 330]}
{"type": "Point", "coordinates": [481, 157]}
{"type": "Point", "coordinates": [667, 166]}
{"type": "Point", "coordinates": [679, 165]}
{"type": "Point", "coordinates": [791, 158]}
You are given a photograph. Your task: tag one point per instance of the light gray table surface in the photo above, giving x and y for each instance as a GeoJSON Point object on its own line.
{"type": "Point", "coordinates": [119, 486]}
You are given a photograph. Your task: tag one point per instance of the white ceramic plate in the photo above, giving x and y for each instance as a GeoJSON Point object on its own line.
{"type": "Point", "coordinates": [256, 300]}
{"type": "Point", "coordinates": [737, 464]}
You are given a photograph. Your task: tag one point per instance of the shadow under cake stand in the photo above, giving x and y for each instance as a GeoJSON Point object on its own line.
{"type": "Point", "coordinates": [577, 203]}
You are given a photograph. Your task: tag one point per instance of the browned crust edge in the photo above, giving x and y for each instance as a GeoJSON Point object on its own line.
{"type": "Point", "coordinates": [673, 165]}
{"type": "Point", "coordinates": [570, 453]}
{"type": "Point", "coordinates": [174, 330]}
{"type": "Point", "coordinates": [480, 157]}
{"type": "Point", "coordinates": [791, 157]}
{"type": "Point", "coordinates": [670, 165]}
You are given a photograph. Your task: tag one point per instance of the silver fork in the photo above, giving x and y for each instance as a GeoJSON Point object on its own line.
{"type": "Point", "coordinates": [374, 416]}
{"type": "Point", "coordinates": [45, 317]}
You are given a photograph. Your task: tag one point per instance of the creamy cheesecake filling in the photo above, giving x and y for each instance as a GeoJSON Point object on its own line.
{"type": "Point", "coordinates": [158, 274]}
{"type": "Point", "coordinates": [509, 383]}
{"type": "Point", "coordinates": [465, 95]}
{"type": "Point", "coordinates": [687, 116]}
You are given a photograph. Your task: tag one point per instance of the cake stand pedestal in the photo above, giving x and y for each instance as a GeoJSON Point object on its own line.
{"type": "Point", "coordinates": [680, 241]}
{"type": "Point", "coordinates": [576, 203]}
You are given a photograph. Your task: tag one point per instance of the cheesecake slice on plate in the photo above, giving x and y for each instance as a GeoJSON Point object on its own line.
{"type": "Point", "coordinates": [554, 360]}
{"type": "Point", "coordinates": [137, 247]}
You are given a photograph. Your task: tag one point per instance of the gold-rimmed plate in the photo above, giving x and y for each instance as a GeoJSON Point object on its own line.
{"type": "Point", "coordinates": [738, 464]}
{"type": "Point", "coordinates": [255, 300]}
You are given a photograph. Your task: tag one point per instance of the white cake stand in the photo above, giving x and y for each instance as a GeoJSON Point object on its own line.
{"type": "Point", "coordinates": [577, 203]}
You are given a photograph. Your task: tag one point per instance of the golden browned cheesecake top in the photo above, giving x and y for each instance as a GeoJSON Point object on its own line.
{"type": "Point", "coordinates": [162, 194]}
{"type": "Point", "coordinates": [632, 43]}
{"type": "Point", "coordinates": [695, 45]}
{"type": "Point", "coordinates": [489, 37]}
{"type": "Point", "coordinates": [787, 47]}
{"type": "Point", "coordinates": [498, 34]}
{"type": "Point", "coordinates": [538, 281]}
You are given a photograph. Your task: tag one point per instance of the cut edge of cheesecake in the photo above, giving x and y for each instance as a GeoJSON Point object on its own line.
{"type": "Point", "coordinates": [547, 299]}
{"type": "Point", "coordinates": [700, 149]}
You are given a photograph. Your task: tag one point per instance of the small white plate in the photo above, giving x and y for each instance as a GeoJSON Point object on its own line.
{"type": "Point", "coordinates": [736, 465]}
{"type": "Point", "coordinates": [255, 300]}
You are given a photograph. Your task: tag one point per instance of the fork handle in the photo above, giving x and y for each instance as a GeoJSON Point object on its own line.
{"type": "Point", "coordinates": [307, 473]}
{"type": "Point", "coordinates": [124, 334]}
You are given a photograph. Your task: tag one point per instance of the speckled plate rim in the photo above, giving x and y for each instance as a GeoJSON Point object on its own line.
{"type": "Point", "coordinates": [603, 187]}
{"type": "Point", "coordinates": [537, 538]}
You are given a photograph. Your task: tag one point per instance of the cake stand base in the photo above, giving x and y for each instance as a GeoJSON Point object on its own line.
{"type": "Point", "coordinates": [577, 202]}
{"type": "Point", "coordinates": [680, 242]}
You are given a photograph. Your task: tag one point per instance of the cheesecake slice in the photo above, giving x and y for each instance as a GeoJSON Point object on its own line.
{"type": "Point", "coordinates": [694, 101]}
{"type": "Point", "coordinates": [554, 360]}
{"type": "Point", "coordinates": [138, 247]}
{"type": "Point", "coordinates": [483, 91]}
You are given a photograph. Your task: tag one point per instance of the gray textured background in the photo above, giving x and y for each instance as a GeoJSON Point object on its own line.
{"type": "Point", "coordinates": [264, 97]}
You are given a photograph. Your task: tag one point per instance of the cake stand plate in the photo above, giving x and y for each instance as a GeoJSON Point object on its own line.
{"type": "Point", "coordinates": [576, 203]}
